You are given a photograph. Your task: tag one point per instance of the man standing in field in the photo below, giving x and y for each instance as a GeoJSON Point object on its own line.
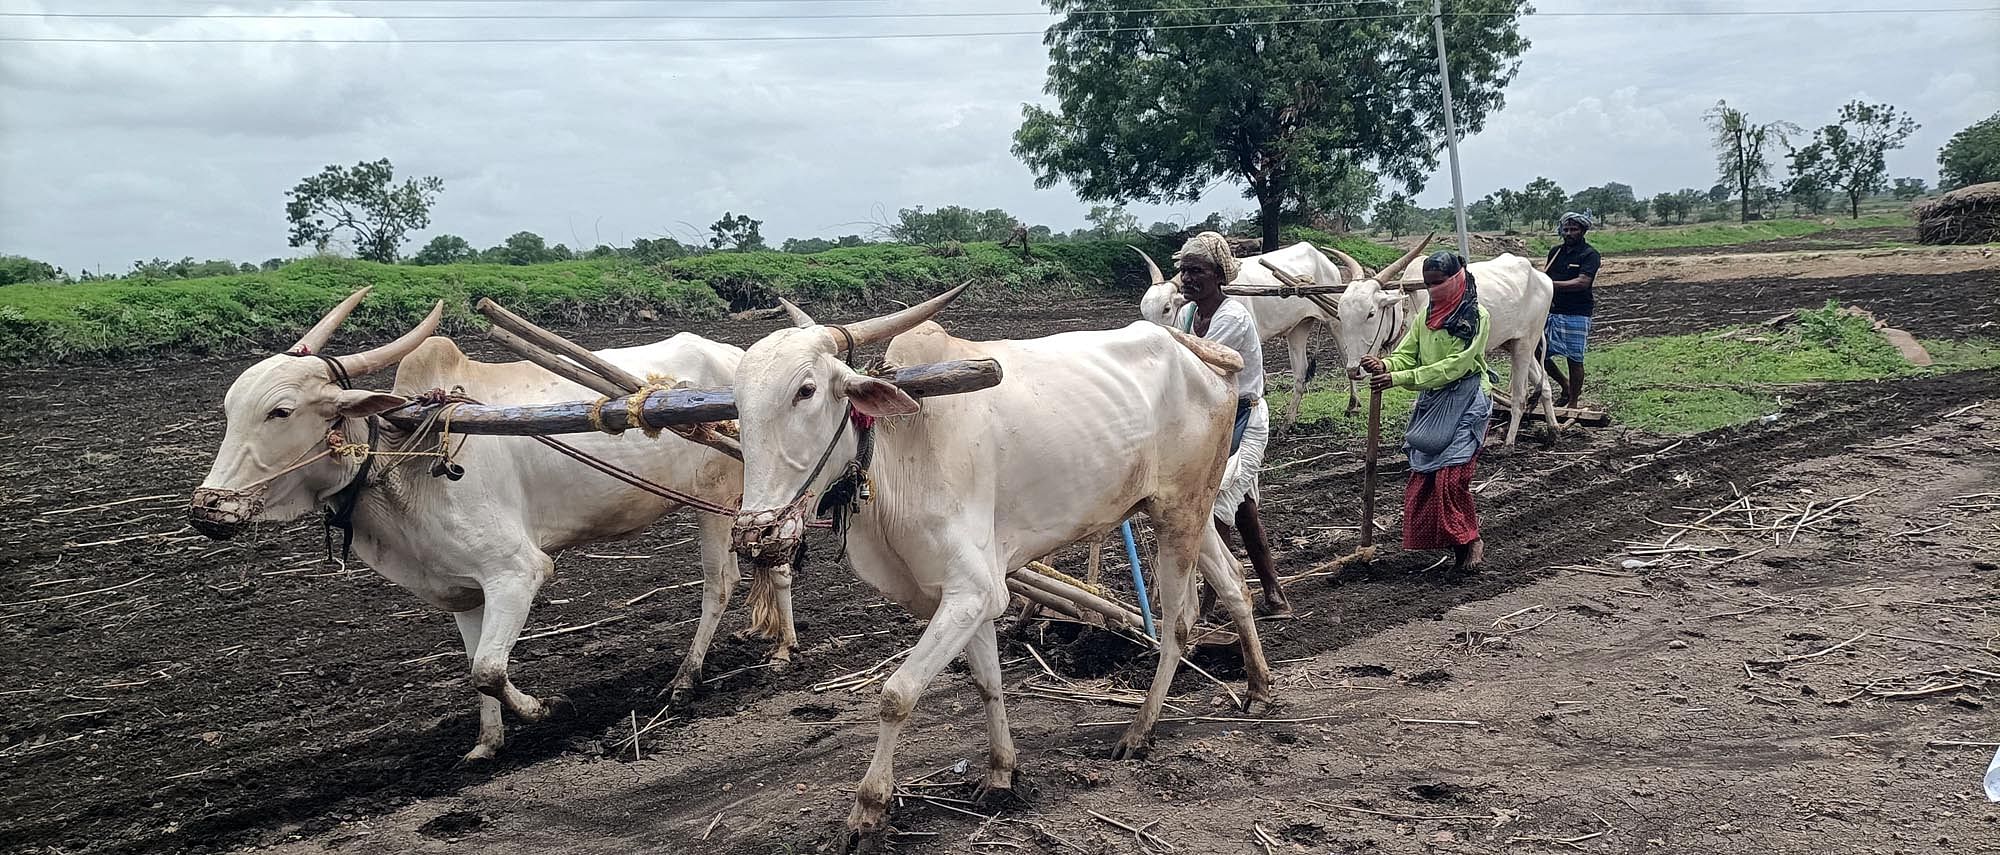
{"type": "Point", "coordinates": [1206, 264]}
{"type": "Point", "coordinates": [1572, 265]}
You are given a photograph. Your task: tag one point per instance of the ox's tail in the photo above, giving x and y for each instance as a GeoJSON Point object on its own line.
{"type": "Point", "coordinates": [1312, 368]}
{"type": "Point", "coordinates": [767, 619]}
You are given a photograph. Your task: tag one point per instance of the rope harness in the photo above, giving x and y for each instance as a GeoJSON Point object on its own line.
{"type": "Point", "coordinates": [842, 499]}
{"type": "Point", "coordinates": [339, 512]}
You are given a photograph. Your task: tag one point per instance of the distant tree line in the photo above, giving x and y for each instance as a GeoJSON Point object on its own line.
{"type": "Point", "coordinates": [368, 210]}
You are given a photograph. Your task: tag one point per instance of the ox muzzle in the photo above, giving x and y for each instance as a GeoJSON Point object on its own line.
{"type": "Point", "coordinates": [770, 537]}
{"type": "Point", "coordinates": [221, 513]}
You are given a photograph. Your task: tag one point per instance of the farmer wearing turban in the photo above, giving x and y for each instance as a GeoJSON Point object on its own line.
{"type": "Point", "coordinates": [1444, 359]}
{"type": "Point", "coordinates": [1205, 264]}
{"type": "Point", "coordinates": [1572, 265]}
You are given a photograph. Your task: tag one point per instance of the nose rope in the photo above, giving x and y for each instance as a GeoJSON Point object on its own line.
{"type": "Point", "coordinates": [843, 498]}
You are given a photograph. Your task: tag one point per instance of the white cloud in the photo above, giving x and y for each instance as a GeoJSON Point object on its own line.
{"type": "Point", "coordinates": [110, 153]}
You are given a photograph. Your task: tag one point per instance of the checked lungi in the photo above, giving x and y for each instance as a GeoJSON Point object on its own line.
{"type": "Point", "coordinates": [1568, 335]}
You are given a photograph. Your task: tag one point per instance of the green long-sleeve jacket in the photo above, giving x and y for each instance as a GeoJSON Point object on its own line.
{"type": "Point", "coordinates": [1429, 359]}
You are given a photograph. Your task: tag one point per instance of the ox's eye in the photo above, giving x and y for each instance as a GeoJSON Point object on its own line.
{"type": "Point", "coordinates": [278, 413]}
{"type": "Point", "coordinates": [805, 391]}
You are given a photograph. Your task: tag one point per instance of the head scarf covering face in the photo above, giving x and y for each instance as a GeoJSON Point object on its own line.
{"type": "Point", "coordinates": [1214, 249]}
{"type": "Point", "coordinates": [1454, 305]}
{"type": "Point", "coordinates": [1582, 221]}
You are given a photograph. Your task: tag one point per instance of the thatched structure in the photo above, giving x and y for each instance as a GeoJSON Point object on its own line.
{"type": "Point", "coordinates": [1966, 215]}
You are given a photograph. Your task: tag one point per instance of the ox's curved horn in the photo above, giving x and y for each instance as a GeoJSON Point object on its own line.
{"type": "Point", "coordinates": [799, 317]}
{"type": "Point", "coordinates": [1152, 270]}
{"type": "Point", "coordinates": [1395, 270]}
{"type": "Point", "coordinates": [889, 326]}
{"type": "Point", "coordinates": [315, 339]}
{"type": "Point", "coordinates": [1349, 267]}
{"type": "Point", "coordinates": [384, 357]}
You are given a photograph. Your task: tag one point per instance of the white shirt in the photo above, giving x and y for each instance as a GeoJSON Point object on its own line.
{"type": "Point", "coordinates": [1233, 326]}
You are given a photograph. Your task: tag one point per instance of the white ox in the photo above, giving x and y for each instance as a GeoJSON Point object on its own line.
{"type": "Point", "coordinates": [1291, 318]}
{"type": "Point", "coordinates": [479, 547]}
{"type": "Point", "coordinates": [1084, 429]}
{"type": "Point", "coordinates": [1515, 295]}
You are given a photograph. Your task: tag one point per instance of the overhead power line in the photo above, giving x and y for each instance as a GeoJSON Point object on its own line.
{"type": "Point", "coordinates": [807, 37]}
{"type": "Point", "coordinates": [679, 16]}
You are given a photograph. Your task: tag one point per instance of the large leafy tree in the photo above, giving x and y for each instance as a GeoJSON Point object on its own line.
{"type": "Point", "coordinates": [1810, 181]}
{"type": "Point", "coordinates": [1743, 151]}
{"type": "Point", "coordinates": [949, 223]}
{"type": "Point", "coordinates": [1335, 190]}
{"type": "Point", "coordinates": [364, 200]}
{"type": "Point", "coordinates": [1972, 156]}
{"type": "Point", "coordinates": [445, 249]}
{"type": "Point", "coordinates": [1602, 202]}
{"type": "Point", "coordinates": [1396, 215]}
{"type": "Point", "coordinates": [1857, 149]}
{"type": "Point", "coordinates": [738, 232]}
{"type": "Point", "coordinates": [1541, 202]}
{"type": "Point", "coordinates": [20, 268]}
{"type": "Point", "coordinates": [1159, 105]}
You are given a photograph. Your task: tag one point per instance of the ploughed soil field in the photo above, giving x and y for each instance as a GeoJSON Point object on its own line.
{"type": "Point", "coordinates": [1783, 637]}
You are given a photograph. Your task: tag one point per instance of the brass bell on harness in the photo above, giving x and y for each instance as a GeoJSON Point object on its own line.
{"type": "Point", "coordinates": [447, 469]}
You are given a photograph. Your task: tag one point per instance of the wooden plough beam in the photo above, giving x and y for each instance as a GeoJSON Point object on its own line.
{"type": "Point", "coordinates": [668, 408]}
{"type": "Point", "coordinates": [1294, 286]}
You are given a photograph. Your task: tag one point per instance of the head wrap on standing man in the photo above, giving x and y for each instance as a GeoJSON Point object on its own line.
{"type": "Point", "coordinates": [1213, 248]}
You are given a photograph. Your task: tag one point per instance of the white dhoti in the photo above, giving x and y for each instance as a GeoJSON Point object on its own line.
{"type": "Point", "coordinates": [1239, 478]}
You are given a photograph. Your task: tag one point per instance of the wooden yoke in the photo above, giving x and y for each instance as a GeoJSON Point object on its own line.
{"type": "Point", "coordinates": [671, 408]}
{"type": "Point", "coordinates": [577, 364]}
{"type": "Point", "coordinates": [1293, 286]}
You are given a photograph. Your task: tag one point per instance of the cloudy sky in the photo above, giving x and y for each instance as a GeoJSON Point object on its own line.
{"type": "Point", "coordinates": [111, 152]}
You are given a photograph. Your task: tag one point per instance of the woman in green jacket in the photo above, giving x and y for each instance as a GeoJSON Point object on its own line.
{"type": "Point", "coordinates": [1444, 359]}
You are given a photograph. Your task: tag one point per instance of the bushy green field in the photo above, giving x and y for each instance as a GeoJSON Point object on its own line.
{"type": "Point", "coordinates": [1719, 234]}
{"type": "Point", "coordinates": [51, 321]}
{"type": "Point", "coordinates": [1692, 383]}
{"type": "Point", "coordinates": [48, 321]}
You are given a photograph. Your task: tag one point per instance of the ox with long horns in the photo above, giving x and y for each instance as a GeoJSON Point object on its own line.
{"type": "Point", "coordinates": [1290, 318]}
{"type": "Point", "coordinates": [1085, 429]}
{"type": "Point", "coordinates": [479, 545]}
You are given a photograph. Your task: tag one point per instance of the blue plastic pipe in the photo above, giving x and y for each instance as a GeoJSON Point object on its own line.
{"type": "Point", "coordinates": [1138, 577]}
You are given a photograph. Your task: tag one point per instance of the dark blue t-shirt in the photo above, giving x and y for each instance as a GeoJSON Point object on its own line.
{"type": "Point", "coordinates": [1566, 263]}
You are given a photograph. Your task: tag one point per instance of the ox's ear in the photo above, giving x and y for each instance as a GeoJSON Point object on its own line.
{"type": "Point", "coordinates": [873, 396]}
{"type": "Point", "coordinates": [361, 403]}
{"type": "Point", "coordinates": [1385, 299]}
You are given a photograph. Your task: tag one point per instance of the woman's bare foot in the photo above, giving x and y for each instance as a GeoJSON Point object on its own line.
{"type": "Point", "coordinates": [1474, 555]}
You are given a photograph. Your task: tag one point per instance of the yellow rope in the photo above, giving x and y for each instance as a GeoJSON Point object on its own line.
{"type": "Point", "coordinates": [597, 417]}
{"type": "Point", "coordinates": [1060, 576]}
{"type": "Point", "coordinates": [635, 405]}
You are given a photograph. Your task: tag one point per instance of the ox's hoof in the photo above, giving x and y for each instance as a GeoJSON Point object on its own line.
{"type": "Point", "coordinates": [1260, 705]}
{"type": "Point", "coordinates": [479, 755]}
{"type": "Point", "coordinates": [867, 828]}
{"type": "Point", "coordinates": [539, 709]}
{"type": "Point", "coordinates": [1131, 748]}
{"type": "Point", "coordinates": [1003, 790]}
{"type": "Point", "coordinates": [680, 696]}
{"type": "Point", "coordinates": [853, 842]}
{"type": "Point", "coordinates": [777, 664]}
{"type": "Point", "coordinates": [557, 705]}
